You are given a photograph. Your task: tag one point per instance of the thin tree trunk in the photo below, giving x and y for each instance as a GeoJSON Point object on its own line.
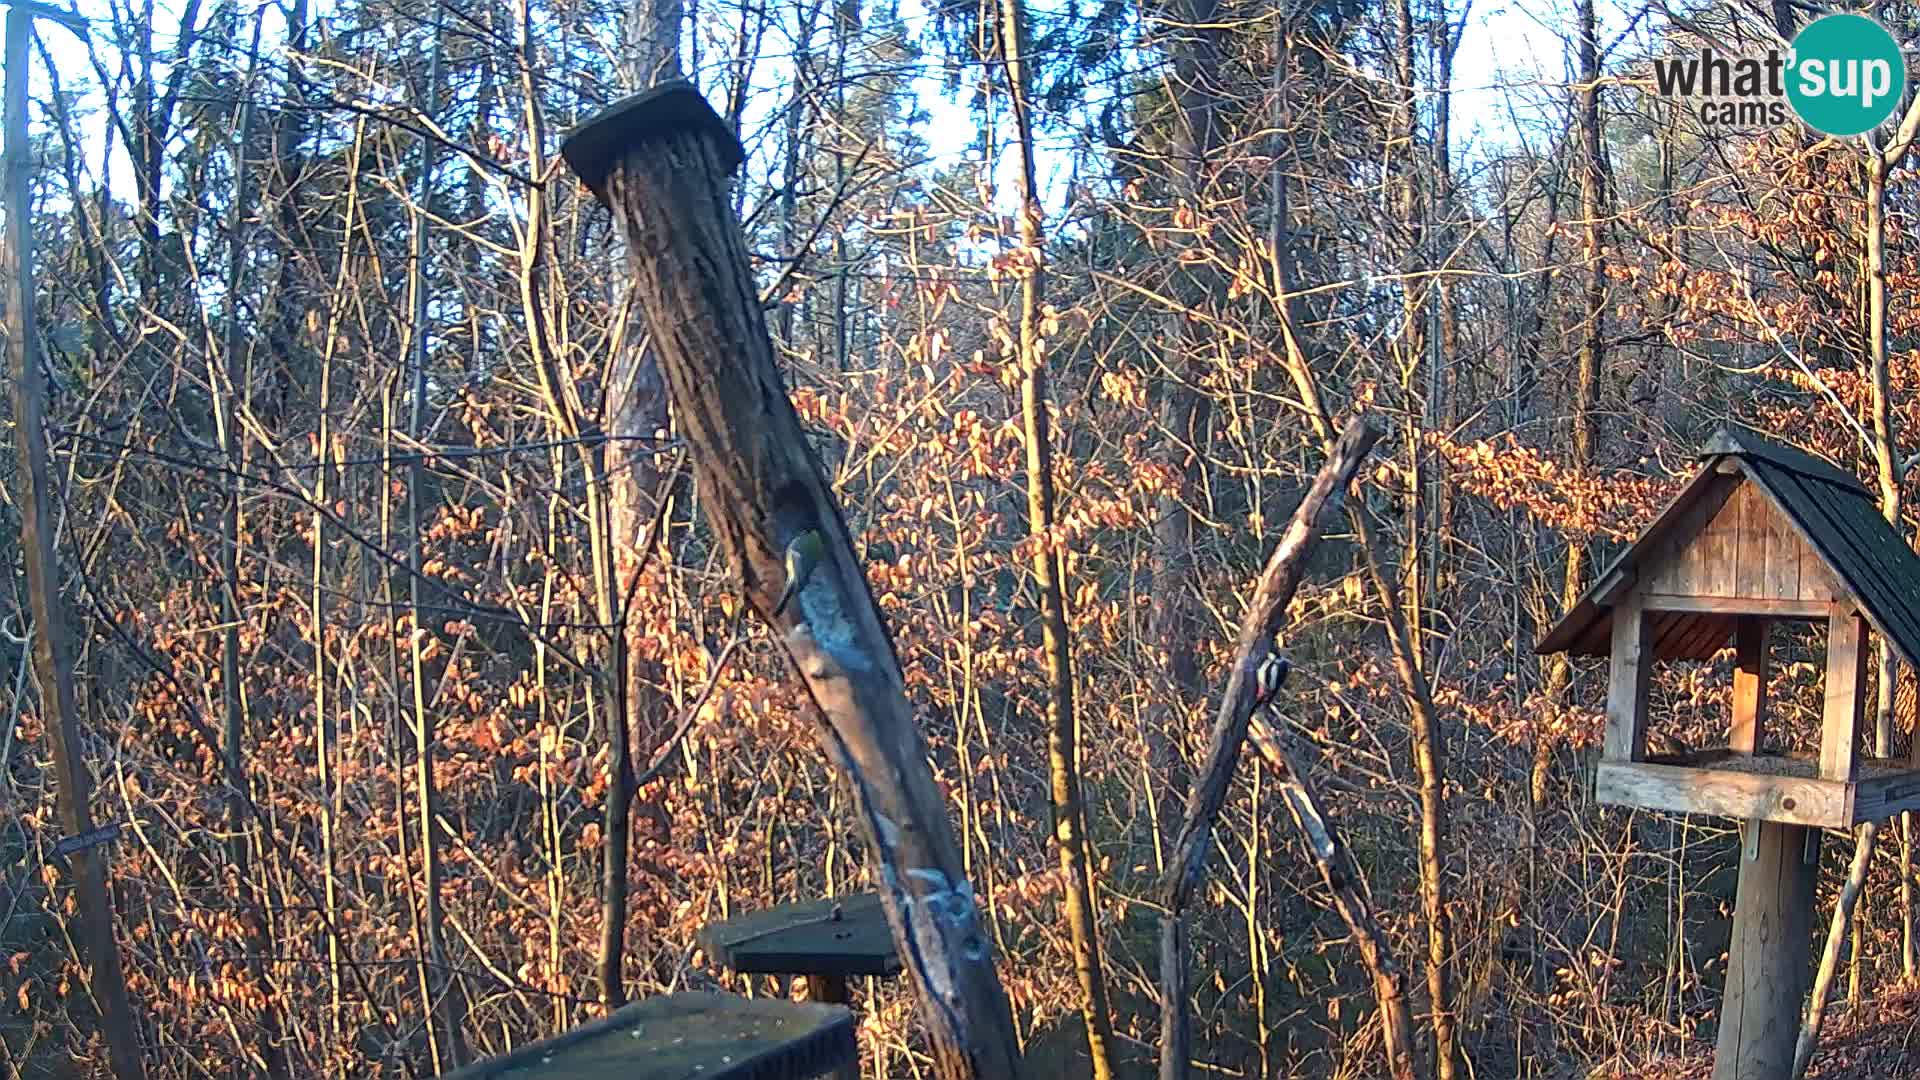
{"type": "Point", "coordinates": [1429, 762]}
{"type": "Point", "coordinates": [324, 733]}
{"type": "Point", "coordinates": [1888, 465]}
{"type": "Point", "coordinates": [1428, 739]}
{"type": "Point", "coordinates": [1836, 943]}
{"type": "Point", "coordinates": [1416, 295]}
{"type": "Point", "coordinates": [1593, 342]}
{"type": "Point", "coordinates": [52, 641]}
{"type": "Point", "coordinates": [1886, 469]}
{"type": "Point", "coordinates": [1265, 615]}
{"type": "Point", "coordinates": [1880, 162]}
{"type": "Point", "coordinates": [1049, 568]}
{"type": "Point", "coordinates": [237, 390]}
{"type": "Point", "coordinates": [1352, 900]}
{"type": "Point", "coordinates": [1443, 322]}
{"type": "Point", "coordinates": [791, 159]}
{"type": "Point", "coordinates": [636, 420]}
{"type": "Point", "coordinates": [231, 383]}
{"type": "Point", "coordinates": [846, 22]}
{"type": "Point", "coordinates": [442, 988]}
{"type": "Point", "coordinates": [1586, 383]}
{"type": "Point", "coordinates": [1185, 411]}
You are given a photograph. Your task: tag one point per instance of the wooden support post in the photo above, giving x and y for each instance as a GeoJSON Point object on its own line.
{"type": "Point", "coordinates": [1749, 684]}
{"type": "Point", "coordinates": [831, 989]}
{"type": "Point", "coordinates": [1630, 663]}
{"type": "Point", "coordinates": [1845, 691]}
{"type": "Point", "coordinates": [660, 160]}
{"type": "Point", "coordinates": [1767, 958]}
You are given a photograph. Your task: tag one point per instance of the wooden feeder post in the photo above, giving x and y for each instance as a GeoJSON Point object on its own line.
{"type": "Point", "coordinates": [660, 161]}
{"type": "Point", "coordinates": [1767, 971]}
{"type": "Point", "coordinates": [1762, 534]}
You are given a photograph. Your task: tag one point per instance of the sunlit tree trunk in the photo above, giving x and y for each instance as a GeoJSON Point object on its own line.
{"type": "Point", "coordinates": [441, 987]}
{"type": "Point", "coordinates": [1049, 564]}
{"type": "Point", "coordinates": [52, 638]}
{"type": "Point", "coordinates": [236, 393]}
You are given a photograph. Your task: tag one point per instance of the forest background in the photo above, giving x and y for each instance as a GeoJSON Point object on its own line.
{"type": "Point", "coordinates": [379, 555]}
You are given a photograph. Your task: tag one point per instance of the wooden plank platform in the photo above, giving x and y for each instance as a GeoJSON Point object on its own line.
{"type": "Point", "coordinates": [1768, 787]}
{"type": "Point", "coordinates": [689, 1036]}
{"type": "Point", "coordinates": [839, 937]}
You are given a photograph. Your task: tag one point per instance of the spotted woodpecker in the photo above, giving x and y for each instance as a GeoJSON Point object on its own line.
{"type": "Point", "coordinates": [1269, 677]}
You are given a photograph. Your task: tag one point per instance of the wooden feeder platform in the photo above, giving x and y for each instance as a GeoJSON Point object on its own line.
{"type": "Point", "coordinates": [1767, 787]}
{"type": "Point", "coordinates": [690, 1036]}
{"type": "Point", "coordinates": [827, 941]}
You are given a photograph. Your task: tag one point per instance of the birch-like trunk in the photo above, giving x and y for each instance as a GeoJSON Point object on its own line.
{"type": "Point", "coordinates": [1049, 567]}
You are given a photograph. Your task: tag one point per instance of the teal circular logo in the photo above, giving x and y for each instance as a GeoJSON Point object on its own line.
{"type": "Point", "coordinates": [1846, 74]}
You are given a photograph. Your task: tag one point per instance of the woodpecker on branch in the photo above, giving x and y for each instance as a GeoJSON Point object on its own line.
{"type": "Point", "coordinates": [803, 555]}
{"type": "Point", "coordinates": [1269, 678]}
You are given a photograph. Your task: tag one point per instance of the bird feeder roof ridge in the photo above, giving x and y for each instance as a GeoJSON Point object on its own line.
{"type": "Point", "coordinates": [593, 147]}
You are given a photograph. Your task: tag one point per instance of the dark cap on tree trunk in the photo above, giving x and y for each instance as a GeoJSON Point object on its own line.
{"type": "Point", "coordinates": [595, 146]}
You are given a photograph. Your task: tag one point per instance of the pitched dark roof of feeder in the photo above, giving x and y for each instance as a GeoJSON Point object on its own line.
{"type": "Point", "coordinates": [1832, 511]}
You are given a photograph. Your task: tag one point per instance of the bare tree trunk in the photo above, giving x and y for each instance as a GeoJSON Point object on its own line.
{"type": "Point", "coordinates": [796, 134]}
{"type": "Point", "coordinates": [236, 388]}
{"type": "Point", "coordinates": [1886, 467]}
{"type": "Point", "coordinates": [52, 643]}
{"type": "Point", "coordinates": [1429, 761]}
{"type": "Point", "coordinates": [1428, 739]}
{"type": "Point", "coordinates": [324, 730]}
{"type": "Point", "coordinates": [846, 23]}
{"type": "Point", "coordinates": [1184, 411]}
{"type": "Point", "coordinates": [1416, 296]}
{"type": "Point", "coordinates": [230, 381]}
{"type": "Point", "coordinates": [442, 987]}
{"type": "Point", "coordinates": [1443, 322]}
{"type": "Point", "coordinates": [1345, 879]}
{"type": "Point", "coordinates": [1891, 475]}
{"type": "Point", "coordinates": [1593, 342]}
{"type": "Point", "coordinates": [661, 163]}
{"type": "Point", "coordinates": [1559, 672]}
{"type": "Point", "coordinates": [1266, 613]}
{"type": "Point", "coordinates": [1836, 944]}
{"type": "Point", "coordinates": [634, 415]}
{"type": "Point", "coordinates": [1879, 163]}
{"type": "Point", "coordinates": [1049, 569]}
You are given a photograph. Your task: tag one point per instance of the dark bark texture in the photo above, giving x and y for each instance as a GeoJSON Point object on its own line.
{"type": "Point", "coordinates": [761, 487]}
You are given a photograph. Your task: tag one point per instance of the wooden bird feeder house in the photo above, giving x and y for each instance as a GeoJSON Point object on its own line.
{"type": "Point", "coordinates": [1761, 534]}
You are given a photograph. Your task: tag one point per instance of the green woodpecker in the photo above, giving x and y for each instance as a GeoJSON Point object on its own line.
{"type": "Point", "coordinates": [803, 555]}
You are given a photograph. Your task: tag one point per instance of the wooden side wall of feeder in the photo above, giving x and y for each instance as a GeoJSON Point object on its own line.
{"type": "Point", "coordinates": [1629, 668]}
{"type": "Point", "coordinates": [1742, 549]}
{"type": "Point", "coordinates": [1845, 691]}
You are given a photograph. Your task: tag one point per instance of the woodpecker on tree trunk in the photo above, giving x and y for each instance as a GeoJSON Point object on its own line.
{"type": "Point", "coordinates": [1269, 678]}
